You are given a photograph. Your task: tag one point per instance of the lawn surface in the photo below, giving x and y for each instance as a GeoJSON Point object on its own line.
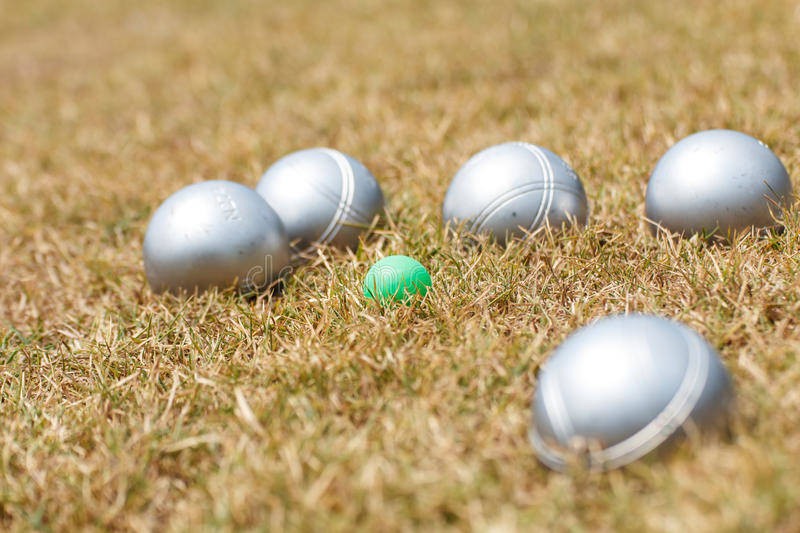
{"type": "Point", "coordinates": [121, 409]}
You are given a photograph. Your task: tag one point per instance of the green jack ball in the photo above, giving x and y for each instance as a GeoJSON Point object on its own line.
{"type": "Point", "coordinates": [396, 278]}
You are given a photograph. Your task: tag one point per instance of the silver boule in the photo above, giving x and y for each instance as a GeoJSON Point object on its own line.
{"type": "Point", "coordinates": [323, 196]}
{"type": "Point", "coordinates": [719, 181]}
{"type": "Point", "coordinates": [619, 388]}
{"type": "Point", "coordinates": [511, 189]}
{"type": "Point", "coordinates": [214, 233]}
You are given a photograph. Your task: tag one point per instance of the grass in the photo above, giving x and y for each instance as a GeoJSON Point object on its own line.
{"type": "Point", "coordinates": [126, 410]}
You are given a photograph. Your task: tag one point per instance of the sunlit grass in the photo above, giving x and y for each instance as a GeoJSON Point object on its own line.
{"type": "Point", "coordinates": [314, 409]}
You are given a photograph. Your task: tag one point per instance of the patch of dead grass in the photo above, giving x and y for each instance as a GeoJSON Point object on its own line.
{"type": "Point", "coordinates": [315, 410]}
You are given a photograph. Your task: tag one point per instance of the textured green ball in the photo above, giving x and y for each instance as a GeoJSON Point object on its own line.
{"type": "Point", "coordinates": [396, 278]}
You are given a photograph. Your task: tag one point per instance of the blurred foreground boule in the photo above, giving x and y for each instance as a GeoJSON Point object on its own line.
{"type": "Point", "coordinates": [619, 388]}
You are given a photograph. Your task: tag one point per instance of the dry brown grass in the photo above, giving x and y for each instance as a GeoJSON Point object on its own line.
{"type": "Point", "coordinates": [315, 411]}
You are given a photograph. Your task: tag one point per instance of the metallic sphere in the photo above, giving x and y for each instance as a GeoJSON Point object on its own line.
{"type": "Point", "coordinates": [214, 233]}
{"type": "Point", "coordinates": [718, 181]}
{"type": "Point", "coordinates": [622, 386]}
{"type": "Point", "coordinates": [511, 189]}
{"type": "Point", "coordinates": [322, 196]}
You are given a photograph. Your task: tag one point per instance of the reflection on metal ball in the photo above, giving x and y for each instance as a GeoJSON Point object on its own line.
{"type": "Point", "coordinates": [718, 181]}
{"type": "Point", "coordinates": [214, 233]}
{"type": "Point", "coordinates": [323, 196]}
{"type": "Point", "coordinates": [621, 387]}
{"type": "Point", "coordinates": [512, 189]}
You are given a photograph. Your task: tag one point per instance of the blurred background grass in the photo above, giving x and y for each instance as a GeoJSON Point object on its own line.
{"type": "Point", "coordinates": [126, 410]}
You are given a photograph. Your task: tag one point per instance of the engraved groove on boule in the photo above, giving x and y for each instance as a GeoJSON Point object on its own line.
{"type": "Point", "coordinates": [556, 409]}
{"type": "Point", "coordinates": [674, 415]}
{"type": "Point", "coordinates": [487, 212]}
{"type": "Point", "coordinates": [488, 193]}
{"type": "Point", "coordinates": [333, 197]}
{"type": "Point", "coordinates": [549, 182]}
{"type": "Point", "coordinates": [511, 195]}
{"type": "Point", "coordinates": [346, 200]}
{"type": "Point", "coordinates": [324, 196]}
